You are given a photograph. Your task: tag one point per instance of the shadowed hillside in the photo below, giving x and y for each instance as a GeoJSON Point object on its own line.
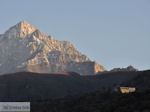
{"type": "Point", "coordinates": [97, 102]}
{"type": "Point", "coordinates": [26, 86]}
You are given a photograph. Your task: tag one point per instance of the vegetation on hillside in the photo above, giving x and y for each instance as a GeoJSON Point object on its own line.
{"type": "Point", "coordinates": [97, 102]}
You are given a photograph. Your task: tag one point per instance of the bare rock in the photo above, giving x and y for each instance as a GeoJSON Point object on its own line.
{"type": "Point", "coordinates": [25, 48]}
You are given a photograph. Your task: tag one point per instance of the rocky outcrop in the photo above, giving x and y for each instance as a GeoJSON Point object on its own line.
{"type": "Point", "coordinates": [24, 48]}
{"type": "Point", "coordinates": [129, 68]}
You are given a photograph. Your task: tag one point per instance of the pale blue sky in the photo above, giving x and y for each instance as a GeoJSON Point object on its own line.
{"type": "Point", "coordinates": [115, 33]}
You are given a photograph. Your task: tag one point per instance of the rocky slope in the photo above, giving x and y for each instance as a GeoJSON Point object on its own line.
{"type": "Point", "coordinates": [129, 68]}
{"type": "Point", "coordinates": [24, 48]}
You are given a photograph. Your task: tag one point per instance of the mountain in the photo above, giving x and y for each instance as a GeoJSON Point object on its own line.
{"type": "Point", "coordinates": [23, 47]}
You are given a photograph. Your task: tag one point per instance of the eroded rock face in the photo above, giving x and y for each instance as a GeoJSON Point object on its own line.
{"type": "Point", "coordinates": [24, 48]}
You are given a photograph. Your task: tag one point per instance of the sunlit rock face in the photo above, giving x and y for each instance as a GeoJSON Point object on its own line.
{"type": "Point", "coordinates": [21, 30]}
{"type": "Point", "coordinates": [24, 48]}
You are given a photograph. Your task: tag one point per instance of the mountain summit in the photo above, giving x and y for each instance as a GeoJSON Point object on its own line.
{"type": "Point", "coordinates": [22, 29]}
{"type": "Point", "coordinates": [23, 47]}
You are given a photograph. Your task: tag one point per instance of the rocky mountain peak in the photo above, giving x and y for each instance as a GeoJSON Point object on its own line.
{"type": "Point", "coordinates": [26, 28]}
{"type": "Point", "coordinates": [21, 30]}
{"type": "Point", "coordinates": [26, 48]}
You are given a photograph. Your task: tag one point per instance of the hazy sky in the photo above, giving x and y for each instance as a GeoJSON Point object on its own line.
{"type": "Point", "coordinates": [115, 33]}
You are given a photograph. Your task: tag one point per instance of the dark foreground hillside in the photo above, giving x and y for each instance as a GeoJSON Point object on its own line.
{"type": "Point", "coordinates": [26, 86]}
{"type": "Point", "coordinates": [70, 92]}
{"type": "Point", "coordinates": [97, 102]}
